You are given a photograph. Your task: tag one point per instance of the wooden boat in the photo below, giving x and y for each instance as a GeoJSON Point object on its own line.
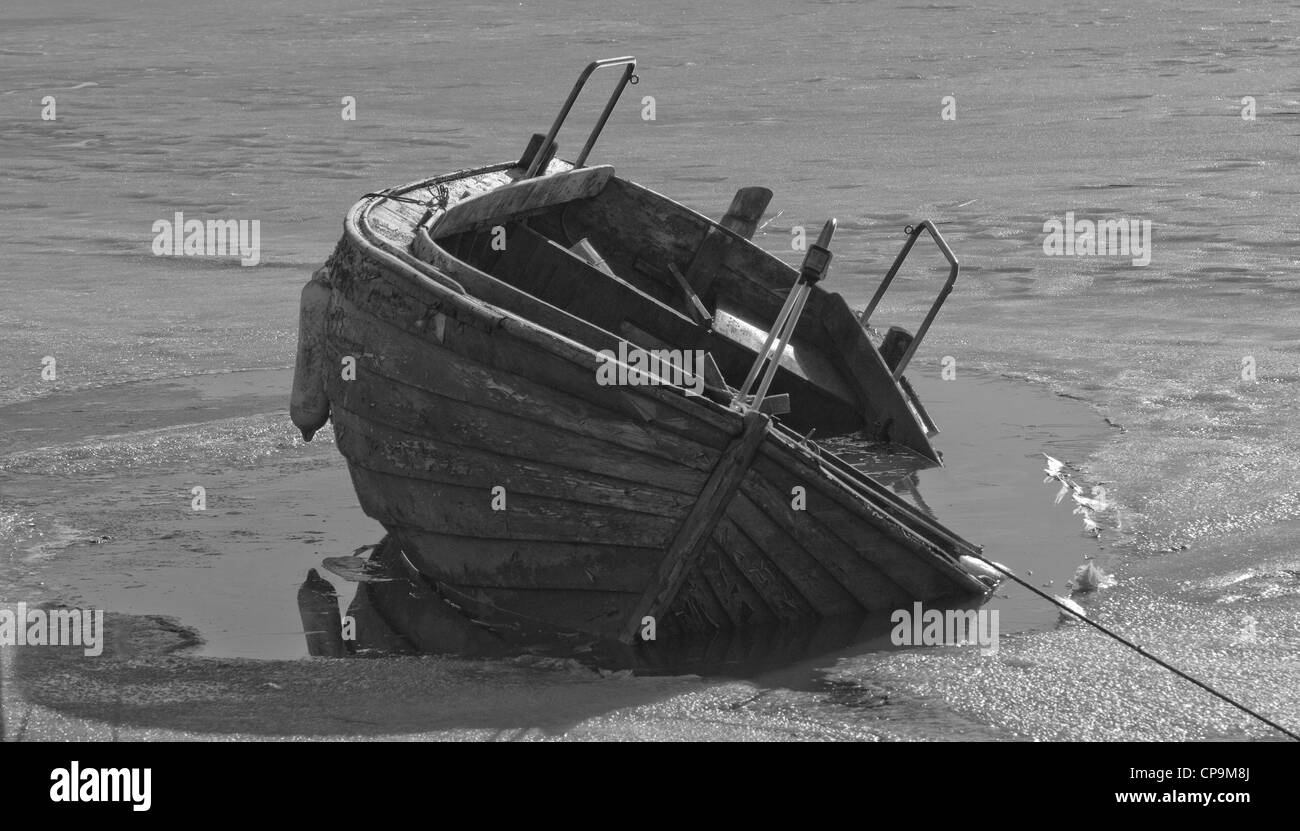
{"type": "Point", "coordinates": [456, 337]}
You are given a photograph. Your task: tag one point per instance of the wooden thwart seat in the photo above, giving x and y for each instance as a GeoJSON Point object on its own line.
{"type": "Point", "coordinates": [558, 276]}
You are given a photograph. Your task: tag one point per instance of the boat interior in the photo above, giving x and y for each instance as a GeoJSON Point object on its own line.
{"type": "Point", "coordinates": [655, 274]}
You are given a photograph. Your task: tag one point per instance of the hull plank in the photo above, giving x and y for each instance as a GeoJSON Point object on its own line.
{"type": "Point", "coordinates": [810, 578]}
{"type": "Point", "coordinates": [482, 358]}
{"type": "Point", "coordinates": [558, 566]}
{"type": "Point", "coordinates": [785, 599]}
{"type": "Point", "coordinates": [696, 609]}
{"type": "Point", "coordinates": [454, 422]}
{"type": "Point", "coordinates": [856, 570]}
{"type": "Point", "coordinates": [738, 586]}
{"type": "Point", "coordinates": [453, 379]}
{"type": "Point", "coordinates": [389, 450]}
{"type": "Point", "coordinates": [890, 546]}
{"type": "Point", "coordinates": [733, 593]}
{"type": "Point", "coordinates": [598, 613]}
{"type": "Point", "coordinates": [844, 482]}
{"type": "Point", "coordinates": [468, 512]}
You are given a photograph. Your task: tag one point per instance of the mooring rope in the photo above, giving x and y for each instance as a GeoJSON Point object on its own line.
{"type": "Point", "coordinates": [437, 200]}
{"type": "Point", "coordinates": [1139, 650]}
{"type": "Point", "coordinates": [423, 203]}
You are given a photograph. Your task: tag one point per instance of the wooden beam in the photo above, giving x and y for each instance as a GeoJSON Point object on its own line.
{"type": "Point", "coordinates": [747, 208]}
{"type": "Point", "coordinates": [693, 536]}
{"type": "Point", "coordinates": [708, 258]}
{"type": "Point", "coordinates": [884, 403]}
{"type": "Point", "coordinates": [499, 205]}
{"type": "Point", "coordinates": [534, 145]}
{"type": "Point", "coordinates": [694, 305]}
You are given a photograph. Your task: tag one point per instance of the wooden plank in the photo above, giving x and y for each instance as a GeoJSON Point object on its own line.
{"type": "Point", "coordinates": [800, 398]}
{"type": "Point", "coordinates": [516, 379]}
{"type": "Point", "coordinates": [785, 602]}
{"type": "Point", "coordinates": [504, 203]}
{"type": "Point", "coordinates": [628, 221]}
{"type": "Point", "coordinates": [747, 208]}
{"type": "Point", "coordinates": [874, 589]}
{"type": "Point", "coordinates": [697, 608]}
{"type": "Point", "coordinates": [599, 613]}
{"type": "Point", "coordinates": [889, 545]}
{"type": "Point", "coordinates": [468, 512]}
{"type": "Point", "coordinates": [743, 605]}
{"type": "Point", "coordinates": [383, 391]}
{"type": "Point", "coordinates": [637, 223]}
{"type": "Point", "coordinates": [375, 399]}
{"type": "Point", "coordinates": [677, 414]}
{"type": "Point", "coordinates": [889, 418]}
{"type": "Point", "coordinates": [503, 295]}
{"type": "Point", "coordinates": [636, 336]}
{"type": "Point", "coordinates": [854, 484]}
{"type": "Point", "coordinates": [534, 145]}
{"type": "Point", "coordinates": [392, 450]}
{"type": "Point", "coordinates": [535, 564]}
{"type": "Point", "coordinates": [790, 556]}
{"type": "Point", "coordinates": [693, 534]}
{"type": "Point", "coordinates": [703, 317]}
{"type": "Point", "coordinates": [585, 291]}
{"type": "Point", "coordinates": [708, 258]}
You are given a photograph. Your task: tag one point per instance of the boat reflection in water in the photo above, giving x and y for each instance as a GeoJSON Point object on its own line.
{"type": "Point", "coordinates": [897, 470]}
{"type": "Point", "coordinates": [396, 611]}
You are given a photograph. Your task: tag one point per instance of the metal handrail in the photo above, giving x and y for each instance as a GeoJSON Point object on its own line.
{"type": "Point", "coordinates": [913, 232]}
{"type": "Point", "coordinates": [629, 64]}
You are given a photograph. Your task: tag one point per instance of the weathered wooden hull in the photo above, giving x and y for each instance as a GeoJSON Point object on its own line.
{"type": "Point", "coordinates": [531, 495]}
